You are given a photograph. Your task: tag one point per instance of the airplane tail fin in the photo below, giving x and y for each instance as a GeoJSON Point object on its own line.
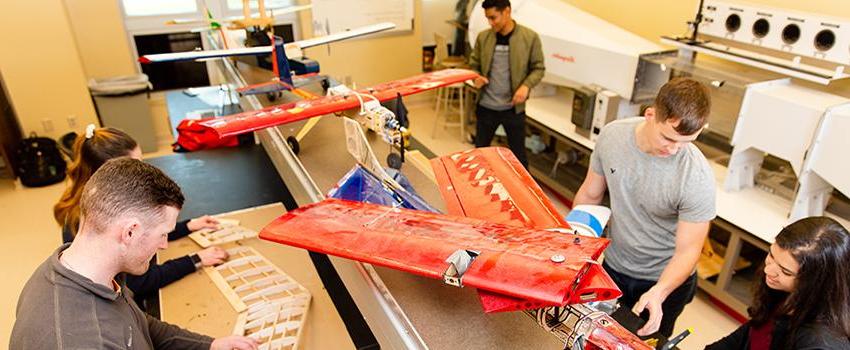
{"type": "Point", "coordinates": [280, 62]}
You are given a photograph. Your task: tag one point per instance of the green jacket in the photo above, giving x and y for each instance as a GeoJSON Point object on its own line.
{"type": "Point", "coordinates": [526, 58]}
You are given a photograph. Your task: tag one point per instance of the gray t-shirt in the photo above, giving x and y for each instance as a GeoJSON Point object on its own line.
{"type": "Point", "coordinates": [498, 95]}
{"type": "Point", "coordinates": [649, 196]}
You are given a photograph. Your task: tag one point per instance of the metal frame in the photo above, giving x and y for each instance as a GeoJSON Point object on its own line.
{"type": "Point", "coordinates": [718, 289]}
{"type": "Point", "coordinates": [785, 67]}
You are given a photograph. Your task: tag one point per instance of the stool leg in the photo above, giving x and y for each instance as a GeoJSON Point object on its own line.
{"type": "Point", "coordinates": [437, 112]}
{"type": "Point", "coordinates": [462, 113]}
{"type": "Point", "coordinates": [447, 95]}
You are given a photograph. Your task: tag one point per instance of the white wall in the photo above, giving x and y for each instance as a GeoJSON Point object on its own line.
{"type": "Point", "coordinates": [42, 67]}
{"type": "Point", "coordinates": [435, 13]}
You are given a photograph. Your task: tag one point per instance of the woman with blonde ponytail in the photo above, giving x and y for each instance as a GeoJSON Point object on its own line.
{"type": "Point", "coordinates": [90, 152]}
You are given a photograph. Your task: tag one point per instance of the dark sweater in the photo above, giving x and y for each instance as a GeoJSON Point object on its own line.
{"type": "Point", "coordinates": [809, 337]}
{"type": "Point", "coordinates": [158, 275]}
{"type": "Point", "coordinates": [60, 309]}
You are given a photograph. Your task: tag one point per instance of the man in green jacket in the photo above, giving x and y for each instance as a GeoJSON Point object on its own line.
{"type": "Point", "coordinates": [509, 58]}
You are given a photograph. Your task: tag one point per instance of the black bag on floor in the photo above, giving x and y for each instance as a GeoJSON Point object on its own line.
{"type": "Point", "coordinates": [40, 162]}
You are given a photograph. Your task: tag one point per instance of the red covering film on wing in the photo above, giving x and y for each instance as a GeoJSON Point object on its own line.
{"type": "Point", "coordinates": [512, 261]}
{"type": "Point", "coordinates": [291, 112]}
{"type": "Point", "coordinates": [491, 184]}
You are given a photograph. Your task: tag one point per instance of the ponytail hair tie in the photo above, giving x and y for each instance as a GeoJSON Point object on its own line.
{"type": "Point", "coordinates": [90, 131]}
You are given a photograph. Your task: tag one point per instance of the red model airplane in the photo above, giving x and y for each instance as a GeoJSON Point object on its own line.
{"type": "Point", "coordinates": [291, 112]}
{"type": "Point", "coordinates": [391, 125]}
{"type": "Point", "coordinates": [496, 244]}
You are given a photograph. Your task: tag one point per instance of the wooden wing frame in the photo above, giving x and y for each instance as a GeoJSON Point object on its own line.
{"type": "Point", "coordinates": [228, 233]}
{"type": "Point", "coordinates": [272, 306]}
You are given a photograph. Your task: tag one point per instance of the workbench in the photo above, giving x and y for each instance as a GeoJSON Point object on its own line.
{"type": "Point", "coordinates": [195, 303]}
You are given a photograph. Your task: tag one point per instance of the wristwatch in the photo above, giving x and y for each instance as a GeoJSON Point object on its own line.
{"type": "Point", "coordinates": [196, 260]}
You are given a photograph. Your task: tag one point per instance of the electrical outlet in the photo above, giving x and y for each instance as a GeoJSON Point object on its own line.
{"type": "Point", "coordinates": [72, 121]}
{"type": "Point", "coordinates": [47, 125]}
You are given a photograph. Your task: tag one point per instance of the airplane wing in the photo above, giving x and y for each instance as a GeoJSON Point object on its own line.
{"type": "Point", "coordinates": [293, 49]}
{"type": "Point", "coordinates": [291, 112]}
{"type": "Point", "coordinates": [513, 261]}
{"type": "Point", "coordinates": [490, 183]}
{"type": "Point", "coordinates": [348, 34]}
{"type": "Point", "coordinates": [204, 54]}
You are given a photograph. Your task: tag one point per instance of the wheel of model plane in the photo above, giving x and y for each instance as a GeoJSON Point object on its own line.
{"type": "Point", "coordinates": [293, 144]}
{"type": "Point", "coordinates": [394, 161]}
{"type": "Point", "coordinates": [273, 95]}
{"type": "Point", "coordinates": [325, 86]}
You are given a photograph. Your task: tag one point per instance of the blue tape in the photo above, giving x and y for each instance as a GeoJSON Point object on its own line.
{"type": "Point", "coordinates": [583, 217]}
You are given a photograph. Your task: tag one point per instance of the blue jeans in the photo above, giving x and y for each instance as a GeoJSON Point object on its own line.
{"type": "Point", "coordinates": [672, 307]}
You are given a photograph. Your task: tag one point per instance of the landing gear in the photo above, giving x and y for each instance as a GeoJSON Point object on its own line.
{"type": "Point", "coordinates": [325, 86]}
{"type": "Point", "coordinates": [293, 144]}
{"type": "Point", "coordinates": [274, 95]}
{"type": "Point", "coordinates": [394, 161]}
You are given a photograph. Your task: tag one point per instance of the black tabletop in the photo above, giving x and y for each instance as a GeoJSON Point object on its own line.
{"type": "Point", "coordinates": [225, 179]}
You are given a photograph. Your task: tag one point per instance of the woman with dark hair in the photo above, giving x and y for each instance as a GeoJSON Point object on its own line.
{"type": "Point", "coordinates": [90, 152]}
{"type": "Point", "coordinates": [802, 298]}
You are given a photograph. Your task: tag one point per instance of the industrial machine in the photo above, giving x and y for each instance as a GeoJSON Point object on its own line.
{"type": "Point", "coordinates": [801, 119]}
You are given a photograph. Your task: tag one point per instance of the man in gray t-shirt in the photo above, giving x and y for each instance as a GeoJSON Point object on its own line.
{"type": "Point", "coordinates": [662, 201]}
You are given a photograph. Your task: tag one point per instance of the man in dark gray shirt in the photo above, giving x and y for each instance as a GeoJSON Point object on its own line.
{"type": "Point", "coordinates": [509, 57]}
{"type": "Point", "coordinates": [662, 201]}
{"type": "Point", "coordinates": [74, 301]}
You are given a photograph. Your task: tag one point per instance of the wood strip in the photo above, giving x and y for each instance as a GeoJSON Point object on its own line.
{"type": "Point", "coordinates": [421, 163]}
{"type": "Point", "coordinates": [225, 289]}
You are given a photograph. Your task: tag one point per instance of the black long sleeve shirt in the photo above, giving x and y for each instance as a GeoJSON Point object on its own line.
{"type": "Point", "coordinates": [809, 337]}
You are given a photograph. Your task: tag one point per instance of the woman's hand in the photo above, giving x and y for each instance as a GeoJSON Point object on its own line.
{"type": "Point", "coordinates": [203, 222]}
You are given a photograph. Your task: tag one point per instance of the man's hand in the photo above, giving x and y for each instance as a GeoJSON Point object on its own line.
{"type": "Point", "coordinates": [651, 301]}
{"type": "Point", "coordinates": [480, 81]}
{"type": "Point", "coordinates": [212, 256]}
{"type": "Point", "coordinates": [234, 342]}
{"type": "Point", "coordinates": [520, 95]}
{"type": "Point", "coordinates": [203, 222]}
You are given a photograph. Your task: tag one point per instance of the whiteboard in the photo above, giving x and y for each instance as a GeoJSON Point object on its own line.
{"type": "Point", "coordinates": [333, 16]}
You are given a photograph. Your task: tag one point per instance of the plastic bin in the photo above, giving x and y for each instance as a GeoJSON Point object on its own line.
{"type": "Point", "coordinates": [122, 102]}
